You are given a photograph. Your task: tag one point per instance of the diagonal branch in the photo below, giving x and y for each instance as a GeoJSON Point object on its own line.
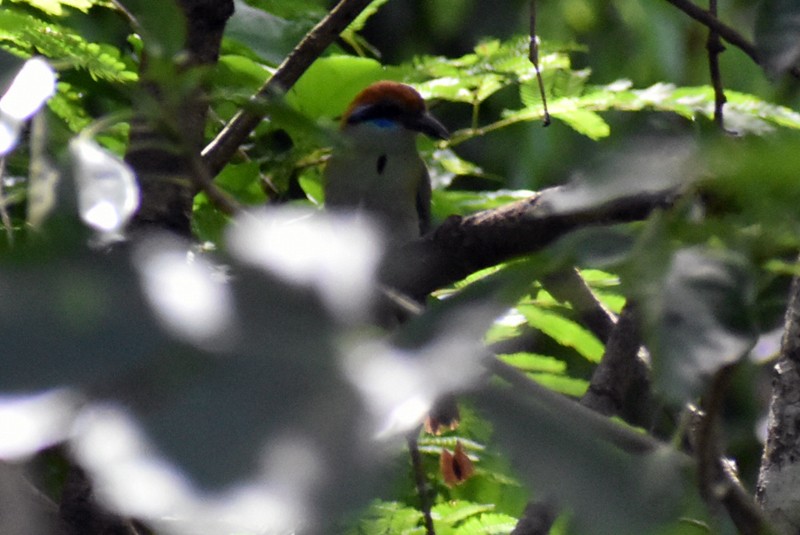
{"type": "Point", "coordinates": [712, 22]}
{"type": "Point", "coordinates": [222, 147]}
{"type": "Point", "coordinates": [725, 32]}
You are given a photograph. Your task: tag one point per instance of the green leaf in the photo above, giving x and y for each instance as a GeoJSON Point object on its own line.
{"type": "Point", "coordinates": [329, 85]}
{"type": "Point", "coordinates": [446, 203]}
{"type": "Point", "coordinates": [564, 331]}
{"type": "Point", "coordinates": [777, 35]}
{"type": "Point", "coordinates": [446, 165]}
{"type": "Point", "coordinates": [453, 512]}
{"type": "Point", "coordinates": [532, 362]}
{"type": "Point", "coordinates": [311, 182]}
{"type": "Point", "coordinates": [266, 34]}
{"type": "Point", "coordinates": [56, 7]}
{"type": "Point", "coordinates": [389, 517]}
{"type": "Point", "coordinates": [243, 182]}
{"type": "Point", "coordinates": [569, 386]}
{"type": "Point", "coordinates": [358, 23]}
{"type": "Point", "coordinates": [31, 35]}
{"type": "Point", "coordinates": [161, 24]}
{"type": "Point", "coordinates": [584, 122]}
{"type": "Point", "coordinates": [487, 524]}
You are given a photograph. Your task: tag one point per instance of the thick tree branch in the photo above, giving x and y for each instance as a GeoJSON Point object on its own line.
{"type": "Point", "coordinates": [463, 245]}
{"type": "Point", "coordinates": [779, 474]}
{"type": "Point", "coordinates": [227, 142]}
{"type": "Point", "coordinates": [162, 146]}
{"type": "Point", "coordinates": [620, 369]}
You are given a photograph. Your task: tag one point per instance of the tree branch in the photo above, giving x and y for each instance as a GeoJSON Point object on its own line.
{"type": "Point", "coordinates": [780, 464]}
{"type": "Point", "coordinates": [227, 142]}
{"type": "Point", "coordinates": [725, 32]}
{"type": "Point", "coordinates": [620, 369]}
{"type": "Point", "coordinates": [712, 22]}
{"type": "Point", "coordinates": [463, 245]}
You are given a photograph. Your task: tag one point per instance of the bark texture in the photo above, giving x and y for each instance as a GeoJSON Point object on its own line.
{"type": "Point", "coordinates": [779, 477]}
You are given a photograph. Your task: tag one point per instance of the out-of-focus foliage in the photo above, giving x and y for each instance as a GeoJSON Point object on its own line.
{"type": "Point", "coordinates": [246, 363]}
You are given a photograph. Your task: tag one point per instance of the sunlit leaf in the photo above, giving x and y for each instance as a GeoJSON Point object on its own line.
{"type": "Point", "coordinates": [487, 524]}
{"type": "Point", "coordinates": [569, 386]}
{"type": "Point", "coordinates": [389, 517]}
{"type": "Point", "coordinates": [533, 362]}
{"type": "Point", "coordinates": [56, 7]}
{"type": "Point", "coordinates": [342, 77]}
{"type": "Point", "coordinates": [564, 331]}
{"type": "Point", "coordinates": [584, 122]}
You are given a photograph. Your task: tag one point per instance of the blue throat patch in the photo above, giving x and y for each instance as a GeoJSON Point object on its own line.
{"type": "Point", "coordinates": [382, 122]}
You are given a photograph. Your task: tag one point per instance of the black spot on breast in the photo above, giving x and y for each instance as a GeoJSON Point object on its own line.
{"type": "Point", "coordinates": [381, 163]}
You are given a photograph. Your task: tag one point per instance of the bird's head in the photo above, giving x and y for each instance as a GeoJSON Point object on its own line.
{"type": "Point", "coordinates": [389, 104]}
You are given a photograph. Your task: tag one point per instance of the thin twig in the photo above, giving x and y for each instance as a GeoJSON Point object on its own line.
{"type": "Point", "coordinates": [533, 55]}
{"type": "Point", "coordinates": [422, 483]}
{"type": "Point", "coordinates": [715, 48]}
{"type": "Point", "coordinates": [227, 142]}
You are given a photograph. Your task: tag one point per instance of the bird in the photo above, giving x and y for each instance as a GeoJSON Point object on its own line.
{"type": "Point", "coordinates": [377, 169]}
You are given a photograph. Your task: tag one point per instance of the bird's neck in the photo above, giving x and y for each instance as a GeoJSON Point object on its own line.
{"type": "Point", "coordinates": [381, 138]}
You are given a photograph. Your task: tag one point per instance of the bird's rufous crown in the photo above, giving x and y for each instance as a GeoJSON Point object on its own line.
{"type": "Point", "coordinates": [392, 94]}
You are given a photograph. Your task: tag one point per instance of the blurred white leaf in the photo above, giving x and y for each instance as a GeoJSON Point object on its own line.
{"type": "Point", "coordinates": [336, 254]}
{"type": "Point", "coordinates": [126, 473]}
{"type": "Point", "coordinates": [32, 422]}
{"type": "Point", "coordinates": [33, 85]}
{"type": "Point", "coordinates": [131, 478]}
{"type": "Point", "coordinates": [187, 292]}
{"type": "Point", "coordinates": [399, 385]}
{"type": "Point", "coordinates": [108, 194]}
{"type": "Point", "coordinates": [9, 132]}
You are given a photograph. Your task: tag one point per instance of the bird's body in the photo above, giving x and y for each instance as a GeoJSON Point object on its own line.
{"type": "Point", "coordinates": [377, 169]}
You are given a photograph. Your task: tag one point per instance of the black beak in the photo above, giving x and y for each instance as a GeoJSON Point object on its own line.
{"type": "Point", "coordinates": [428, 125]}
